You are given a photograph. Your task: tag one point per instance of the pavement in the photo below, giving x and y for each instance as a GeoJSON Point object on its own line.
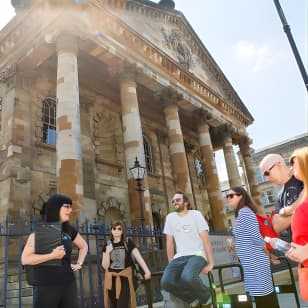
{"type": "Point", "coordinates": [286, 300]}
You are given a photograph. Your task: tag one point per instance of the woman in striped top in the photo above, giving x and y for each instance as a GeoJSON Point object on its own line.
{"type": "Point", "coordinates": [250, 249]}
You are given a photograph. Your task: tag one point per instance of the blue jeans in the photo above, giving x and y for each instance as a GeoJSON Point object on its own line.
{"type": "Point", "coordinates": [181, 278]}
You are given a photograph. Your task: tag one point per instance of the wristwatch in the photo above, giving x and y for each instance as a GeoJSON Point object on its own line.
{"type": "Point", "coordinates": [79, 263]}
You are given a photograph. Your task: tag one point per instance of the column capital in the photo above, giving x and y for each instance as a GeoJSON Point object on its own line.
{"type": "Point", "coordinates": [245, 141]}
{"type": "Point", "coordinates": [227, 131]}
{"type": "Point", "coordinates": [127, 72]}
{"type": "Point", "coordinates": [168, 97]}
{"type": "Point", "coordinates": [202, 117]}
{"type": "Point", "coordinates": [67, 42]}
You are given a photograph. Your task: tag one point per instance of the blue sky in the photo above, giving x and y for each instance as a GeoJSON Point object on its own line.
{"type": "Point", "coordinates": [246, 39]}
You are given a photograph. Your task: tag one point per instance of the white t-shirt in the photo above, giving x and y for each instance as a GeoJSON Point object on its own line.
{"type": "Point", "coordinates": [185, 231]}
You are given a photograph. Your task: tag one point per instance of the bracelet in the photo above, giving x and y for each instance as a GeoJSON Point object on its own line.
{"type": "Point", "coordinates": [79, 263]}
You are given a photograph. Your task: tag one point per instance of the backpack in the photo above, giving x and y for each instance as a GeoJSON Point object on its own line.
{"type": "Point", "coordinates": [266, 228]}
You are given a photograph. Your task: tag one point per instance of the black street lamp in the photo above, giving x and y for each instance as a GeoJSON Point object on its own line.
{"type": "Point", "coordinates": [296, 54]}
{"type": "Point", "coordinates": [138, 173]}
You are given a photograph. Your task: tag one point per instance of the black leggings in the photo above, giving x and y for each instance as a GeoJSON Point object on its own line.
{"type": "Point", "coordinates": [124, 299]}
{"type": "Point", "coordinates": [59, 296]}
{"type": "Point", "coordinates": [267, 301]}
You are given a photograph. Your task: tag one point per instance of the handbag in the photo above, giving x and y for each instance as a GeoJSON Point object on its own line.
{"type": "Point", "coordinates": [303, 281]}
{"type": "Point", "coordinates": [138, 273]}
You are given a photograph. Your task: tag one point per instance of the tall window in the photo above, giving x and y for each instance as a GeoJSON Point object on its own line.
{"type": "Point", "coordinates": [49, 120]}
{"type": "Point", "coordinates": [199, 169]}
{"type": "Point", "coordinates": [148, 154]}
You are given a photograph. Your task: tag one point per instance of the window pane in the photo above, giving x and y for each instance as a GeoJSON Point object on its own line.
{"type": "Point", "coordinates": [49, 121]}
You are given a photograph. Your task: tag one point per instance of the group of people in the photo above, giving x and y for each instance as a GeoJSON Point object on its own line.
{"type": "Point", "coordinates": [188, 247]}
{"type": "Point", "coordinates": [187, 234]}
{"type": "Point", "coordinates": [289, 219]}
{"type": "Point", "coordinates": [54, 286]}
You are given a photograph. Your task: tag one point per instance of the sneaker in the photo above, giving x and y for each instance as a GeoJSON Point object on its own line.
{"type": "Point", "coordinates": [208, 302]}
{"type": "Point", "coordinates": [195, 304]}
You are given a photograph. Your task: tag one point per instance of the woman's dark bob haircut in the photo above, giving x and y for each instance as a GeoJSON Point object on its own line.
{"type": "Point", "coordinates": [53, 205]}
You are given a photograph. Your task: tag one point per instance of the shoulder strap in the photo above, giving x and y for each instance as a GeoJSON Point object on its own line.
{"type": "Point", "coordinates": [125, 245]}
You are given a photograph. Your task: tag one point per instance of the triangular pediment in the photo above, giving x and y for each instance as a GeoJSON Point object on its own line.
{"type": "Point", "coordinates": [170, 31]}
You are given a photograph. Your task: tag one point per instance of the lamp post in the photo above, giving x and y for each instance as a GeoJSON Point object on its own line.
{"type": "Point", "coordinates": [138, 173]}
{"type": "Point", "coordinates": [296, 54]}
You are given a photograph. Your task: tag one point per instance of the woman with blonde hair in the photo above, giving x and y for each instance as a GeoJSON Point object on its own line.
{"type": "Point", "coordinates": [117, 262]}
{"type": "Point", "coordinates": [299, 246]}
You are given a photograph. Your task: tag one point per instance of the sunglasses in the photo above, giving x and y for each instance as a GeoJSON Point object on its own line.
{"type": "Point", "coordinates": [116, 228]}
{"type": "Point", "coordinates": [67, 206]}
{"type": "Point", "coordinates": [230, 196]}
{"type": "Point", "coordinates": [176, 200]}
{"type": "Point", "coordinates": [267, 172]}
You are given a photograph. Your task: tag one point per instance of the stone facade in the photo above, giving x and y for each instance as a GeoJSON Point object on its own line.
{"type": "Point", "coordinates": [86, 87]}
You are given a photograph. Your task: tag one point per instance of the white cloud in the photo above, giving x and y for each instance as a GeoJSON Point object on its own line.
{"type": "Point", "coordinates": [258, 58]}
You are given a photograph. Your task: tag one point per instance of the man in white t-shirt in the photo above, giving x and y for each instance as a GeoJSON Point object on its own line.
{"type": "Point", "coordinates": [189, 231]}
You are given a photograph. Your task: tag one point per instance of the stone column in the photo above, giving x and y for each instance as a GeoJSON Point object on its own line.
{"type": "Point", "coordinates": [69, 157]}
{"type": "Point", "coordinates": [250, 170]}
{"type": "Point", "coordinates": [88, 157]}
{"type": "Point", "coordinates": [16, 160]}
{"type": "Point", "coordinates": [230, 159]}
{"type": "Point", "coordinates": [15, 148]}
{"type": "Point", "coordinates": [177, 150]}
{"type": "Point", "coordinates": [133, 145]}
{"type": "Point", "coordinates": [212, 180]}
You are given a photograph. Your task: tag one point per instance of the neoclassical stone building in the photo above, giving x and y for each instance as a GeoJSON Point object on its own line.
{"type": "Point", "coordinates": [87, 86]}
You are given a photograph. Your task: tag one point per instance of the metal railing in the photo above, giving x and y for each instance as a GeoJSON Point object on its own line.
{"type": "Point", "coordinates": [16, 292]}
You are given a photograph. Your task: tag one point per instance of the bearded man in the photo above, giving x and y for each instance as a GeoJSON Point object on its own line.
{"type": "Point", "coordinates": [189, 253]}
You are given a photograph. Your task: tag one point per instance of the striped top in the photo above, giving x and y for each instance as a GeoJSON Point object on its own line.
{"type": "Point", "coordinates": [249, 248]}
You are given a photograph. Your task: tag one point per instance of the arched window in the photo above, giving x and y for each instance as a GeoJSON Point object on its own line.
{"type": "Point", "coordinates": [148, 154]}
{"type": "Point", "coordinates": [49, 120]}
